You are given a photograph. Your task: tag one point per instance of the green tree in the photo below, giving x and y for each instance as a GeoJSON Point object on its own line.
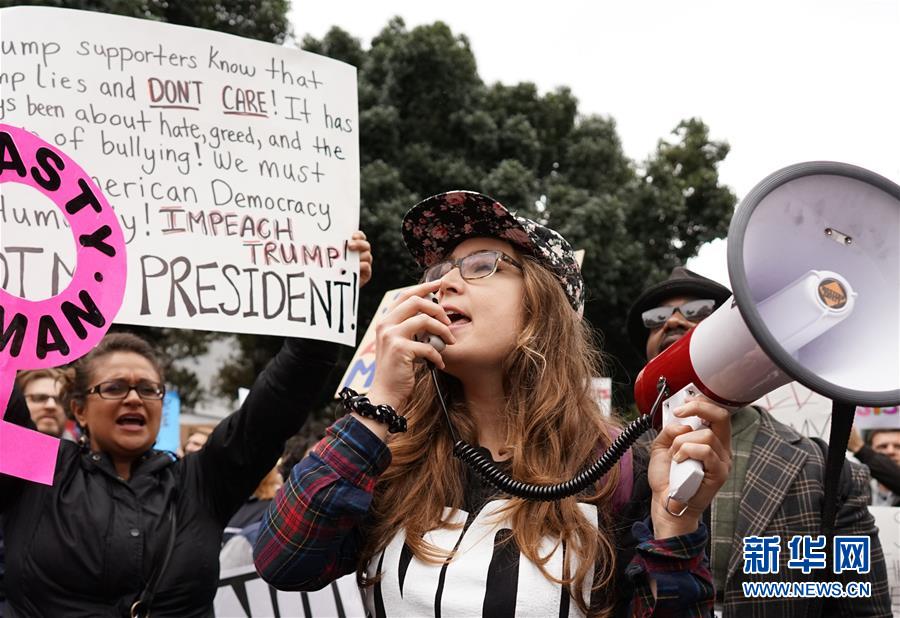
{"type": "Point", "coordinates": [265, 20]}
{"type": "Point", "coordinates": [428, 123]}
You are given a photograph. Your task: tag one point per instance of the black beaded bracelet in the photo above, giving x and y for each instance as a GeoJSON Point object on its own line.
{"type": "Point", "coordinates": [382, 413]}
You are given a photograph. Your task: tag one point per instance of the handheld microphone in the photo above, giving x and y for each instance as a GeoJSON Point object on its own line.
{"type": "Point", "coordinates": [425, 337]}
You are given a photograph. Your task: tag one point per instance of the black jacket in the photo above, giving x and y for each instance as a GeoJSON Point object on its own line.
{"type": "Point", "coordinates": [86, 545]}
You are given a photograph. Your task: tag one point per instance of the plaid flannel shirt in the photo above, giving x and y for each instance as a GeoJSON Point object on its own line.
{"type": "Point", "coordinates": [311, 533]}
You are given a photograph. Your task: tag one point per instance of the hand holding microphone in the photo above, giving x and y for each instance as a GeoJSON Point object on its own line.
{"type": "Point", "coordinates": [425, 337]}
{"type": "Point", "coordinates": [400, 343]}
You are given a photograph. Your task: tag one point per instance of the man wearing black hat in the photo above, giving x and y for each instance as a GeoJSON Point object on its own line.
{"type": "Point", "coordinates": [775, 485]}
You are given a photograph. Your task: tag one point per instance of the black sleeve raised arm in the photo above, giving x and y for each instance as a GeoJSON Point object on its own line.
{"type": "Point", "coordinates": [882, 468]}
{"type": "Point", "coordinates": [245, 446]}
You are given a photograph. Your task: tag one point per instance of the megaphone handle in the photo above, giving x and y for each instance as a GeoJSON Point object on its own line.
{"type": "Point", "coordinates": [684, 477]}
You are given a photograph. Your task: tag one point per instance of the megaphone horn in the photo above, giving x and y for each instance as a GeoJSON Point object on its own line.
{"type": "Point", "coordinates": [814, 264]}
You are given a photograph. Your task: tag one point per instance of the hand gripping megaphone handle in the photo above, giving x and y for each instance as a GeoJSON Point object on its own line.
{"type": "Point", "coordinates": [684, 477]}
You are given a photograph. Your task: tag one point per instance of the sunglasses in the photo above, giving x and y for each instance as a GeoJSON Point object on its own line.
{"type": "Point", "coordinates": [119, 389]}
{"type": "Point", "coordinates": [693, 311]}
{"type": "Point", "coordinates": [476, 265]}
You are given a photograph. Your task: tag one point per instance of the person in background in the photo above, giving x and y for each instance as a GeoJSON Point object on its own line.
{"type": "Point", "coordinates": [126, 529]}
{"type": "Point", "coordinates": [196, 440]}
{"type": "Point", "coordinates": [41, 388]}
{"type": "Point", "coordinates": [882, 457]}
{"type": "Point", "coordinates": [301, 444]}
{"type": "Point", "coordinates": [383, 495]}
{"type": "Point", "coordinates": [886, 442]}
{"type": "Point", "coordinates": [776, 482]}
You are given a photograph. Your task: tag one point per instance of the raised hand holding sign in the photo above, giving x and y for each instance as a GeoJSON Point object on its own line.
{"type": "Point", "coordinates": [58, 330]}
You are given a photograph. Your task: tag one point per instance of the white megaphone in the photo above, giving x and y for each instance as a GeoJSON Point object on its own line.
{"type": "Point", "coordinates": [814, 264]}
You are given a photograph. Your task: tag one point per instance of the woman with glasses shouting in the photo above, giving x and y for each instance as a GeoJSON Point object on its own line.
{"type": "Point", "coordinates": [506, 384]}
{"type": "Point", "coordinates": [128, 530]}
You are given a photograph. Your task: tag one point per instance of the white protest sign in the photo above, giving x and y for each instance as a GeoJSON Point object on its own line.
{"type": "Point", "coordinates": [242, 593]}
{"type": "Point", "coordinates": [887, 518]}
{"type": "Point", "coordinates": [601, 391]}
{"type": "Point", "coordinates": [233, 166]}
{"type": "Point", "coordinates": [793, 404]}
{"type": "Point", "coordinates": [810, 413]}
{"type": "Point", "coordinates": [877, 418]}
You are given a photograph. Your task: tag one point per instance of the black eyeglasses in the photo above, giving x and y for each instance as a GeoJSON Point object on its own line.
{"type": "Point", "coordinates": [119, 389]}
{"type": "Point", "coordinates": [476, 265]}
{"type": "Point", "coordinates": [694, 311]}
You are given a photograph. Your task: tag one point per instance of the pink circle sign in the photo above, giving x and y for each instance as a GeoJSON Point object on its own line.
{"type": "Point", "coordinates": [57, 330]}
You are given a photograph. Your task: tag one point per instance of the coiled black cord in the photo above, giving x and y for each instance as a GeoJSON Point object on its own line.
{"type": "Point", "coordinates": [484, 467]}
{"type": "Point", "coordinates": [488, 470]}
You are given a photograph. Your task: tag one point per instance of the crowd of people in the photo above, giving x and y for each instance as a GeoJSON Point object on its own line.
{"type": "Point", "coordinates": [488, 350]}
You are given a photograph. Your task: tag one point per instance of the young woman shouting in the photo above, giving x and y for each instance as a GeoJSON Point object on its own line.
{"type": "Point", "coordinates": [383, 494]}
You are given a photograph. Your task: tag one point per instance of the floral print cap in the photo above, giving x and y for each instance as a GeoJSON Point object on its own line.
{"type": "Point", "coordinates": [433, 227]}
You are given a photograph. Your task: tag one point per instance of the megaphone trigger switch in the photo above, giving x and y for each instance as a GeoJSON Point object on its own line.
{"type": "Point", "coordinates": [677, 400]}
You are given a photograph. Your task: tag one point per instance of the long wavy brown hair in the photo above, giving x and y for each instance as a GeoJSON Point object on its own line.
{"type": "Point", "coordinates": [554, 429]}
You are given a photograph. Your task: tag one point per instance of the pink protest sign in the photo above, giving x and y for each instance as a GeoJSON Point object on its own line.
{"type": "Point", "coordinates": [57, 330]}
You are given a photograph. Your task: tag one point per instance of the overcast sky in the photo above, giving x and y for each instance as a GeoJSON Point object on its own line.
{"type": "Point", "coordinates": [782, 82]}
